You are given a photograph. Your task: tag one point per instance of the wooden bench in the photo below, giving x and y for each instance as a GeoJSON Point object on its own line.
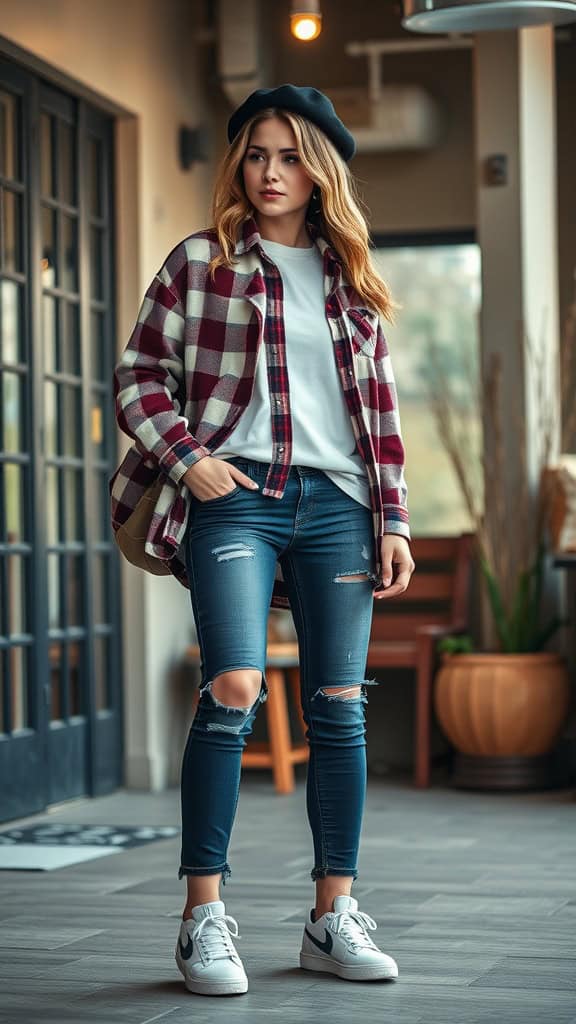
{"type": "Point", "coordinates": [278, 752]}
{"type": "Point", "coordinates": [406, 629]}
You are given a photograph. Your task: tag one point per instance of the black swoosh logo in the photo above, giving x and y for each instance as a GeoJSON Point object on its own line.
{"type": "Point", "coordinates": [325, 946]}
{"type": "Point", "coordinates": [186, 951]}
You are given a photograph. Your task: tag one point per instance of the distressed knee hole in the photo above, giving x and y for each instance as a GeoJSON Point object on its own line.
{"type": "Point", "coordinates": [236, 689]}
{"type": "Point", "coordinates": [341, 692]}
{"type": "Point", "coordinates": [350, 693]}
{"type": "Point", "coordinates": [215, 715]}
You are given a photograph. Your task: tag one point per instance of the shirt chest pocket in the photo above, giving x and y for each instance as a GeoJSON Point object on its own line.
{"type": "Point", "coordinates": [363, 329]}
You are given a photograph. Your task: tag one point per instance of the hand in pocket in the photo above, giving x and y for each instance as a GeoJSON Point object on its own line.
{"type": "Point", "coordinates": [211, 478]}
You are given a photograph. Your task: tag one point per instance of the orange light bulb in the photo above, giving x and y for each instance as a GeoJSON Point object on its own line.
{"type": "Point", "coordinates": [305, 27]}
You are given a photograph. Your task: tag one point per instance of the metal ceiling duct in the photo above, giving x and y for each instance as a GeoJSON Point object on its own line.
{"type": "Point", "coordinates": [484, 15]}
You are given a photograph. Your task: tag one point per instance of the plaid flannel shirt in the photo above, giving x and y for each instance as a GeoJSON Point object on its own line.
{"type": "Point", "coordinates": [187, 373]}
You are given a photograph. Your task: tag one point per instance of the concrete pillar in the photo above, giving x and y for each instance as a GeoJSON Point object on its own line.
{"type": "Point", "coordinates": [517, 231]}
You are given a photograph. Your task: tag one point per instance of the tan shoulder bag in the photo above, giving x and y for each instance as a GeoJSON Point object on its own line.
{"type": "Point", "coordinates": [131, 536]}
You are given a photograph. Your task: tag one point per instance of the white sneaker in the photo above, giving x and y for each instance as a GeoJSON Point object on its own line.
{"type": "Point", "coordinates": [338, 942]}
{"type": "Point", "coordinates": [206, 955]}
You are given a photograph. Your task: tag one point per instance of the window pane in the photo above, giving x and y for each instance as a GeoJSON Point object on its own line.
{"type": "Point", "coordinates": [75, 675]}
{"type": "Point", "coordinates": [49, 268]}
{"type": "Point", "coordinates": [98, 422]}
{"type": "Point", "coordinates": [100, 590]}
{"type": "Point", "coordinates": [12, 413]}
{"type": "Point", "coordinates": [101, 505]}
{"type": "Point", "coordinates": [12, 329]}
{"type": "Point", "coordinates": [18, 680]}
{"type": "Point", "coordinates": [50, 419]}
{"type": "Point", "coordinates": [70, 253]}
{"type": "Point", "coordinates": [3, 657]}
{"type": "Point", "coordinates": [439, 289]}
{"type": "Point", "coordinates": [46, 156]}
{"type": "Point", "coordinates": [50, 333]}
{"type": "Point", "coordinates": [62, 403]}
{"type": "Point", "coordinates": [74, 594]}
{"type": "Point", "coordinates": [57, 698]}
{"type": "Point", "coordinates": [14, 512]}
{"type": "Point", "coordinates": [70, 410]}
{"type": "Point", "coordinates": [70, 339]}
{"type": "Point", "coordinates": [66, 163]}
{"type": "Point", "coordinates": [16, 602]}
{"type": "Point", "coordinates": [54, 611]}
{"type": "Point", "coordinates": [96, 264]}
{"type": "Point", "coordinates": [94, 149]}
{"type": "Point", "coordinates": [52, 505]}
{"type": "Point", "coordinates": [101, 673]}
{"type": "Point", "coordinates": [12, 252]}
{"type": "Point", "coordinates": [97, 346]}
{"type": "Point", "coordinates": [72, 504]}
{"type": "Point", "coordinates": [9, 139]}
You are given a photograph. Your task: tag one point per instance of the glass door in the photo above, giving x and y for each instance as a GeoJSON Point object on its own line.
{"type": "Point", "coordinates": [60, 713]}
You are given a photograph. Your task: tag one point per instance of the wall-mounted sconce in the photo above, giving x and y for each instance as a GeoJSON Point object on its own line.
{"type": "Point", "coordinates": [496, 169]}
{"type": "Point", "coordinates": [305, 20]}
{"type": "Point", "coordinates": [192, 146]}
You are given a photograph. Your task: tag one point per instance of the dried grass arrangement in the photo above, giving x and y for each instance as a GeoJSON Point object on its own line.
{"type": "Point", "coordinates": [512, 566]}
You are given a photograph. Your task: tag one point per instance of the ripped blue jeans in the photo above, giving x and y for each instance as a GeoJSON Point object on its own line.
{"type": "Point", "coordinates": [320, 535]}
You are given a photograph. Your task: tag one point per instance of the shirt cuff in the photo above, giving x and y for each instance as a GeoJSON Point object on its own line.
{"type": "Point", "coordinates": [398, 526]}
{"type": "Point", "coordinates": [178, 459]}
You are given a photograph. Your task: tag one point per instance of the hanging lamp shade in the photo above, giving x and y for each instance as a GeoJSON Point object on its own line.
{"type": "Point", "coordinates": [484, 15]}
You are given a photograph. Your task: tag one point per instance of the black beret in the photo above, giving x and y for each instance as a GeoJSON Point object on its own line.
{"type": "Point", "coordinates": [301, 99]}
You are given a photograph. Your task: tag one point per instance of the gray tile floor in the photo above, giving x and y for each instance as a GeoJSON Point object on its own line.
{"type": "Point", "coordinates": [474, 895]}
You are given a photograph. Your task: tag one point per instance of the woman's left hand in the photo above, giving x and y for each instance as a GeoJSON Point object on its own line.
{"type": "Point", "coordinates": [397, 565]}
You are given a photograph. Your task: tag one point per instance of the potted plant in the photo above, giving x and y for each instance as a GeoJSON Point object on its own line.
{"type": "Point", "coordinates": [502, 706]}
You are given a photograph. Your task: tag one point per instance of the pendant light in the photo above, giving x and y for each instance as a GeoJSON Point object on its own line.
{"type": "Point", "coordinates": [305, 20]}
{"type": "Point", "coordinates": [484, 15]}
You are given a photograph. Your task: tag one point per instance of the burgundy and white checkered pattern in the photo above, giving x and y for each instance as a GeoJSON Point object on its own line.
{"type": "Point", "coordinates": [187, 374]}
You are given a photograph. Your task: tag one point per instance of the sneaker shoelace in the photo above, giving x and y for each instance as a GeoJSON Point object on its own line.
{"type": "Point", "coordinates": [352, 925]}
{"type": "Point", "coordinates": [215, 943]}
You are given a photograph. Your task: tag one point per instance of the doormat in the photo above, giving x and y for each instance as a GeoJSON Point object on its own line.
{"type": "Point", "coordinates": [44, 847]}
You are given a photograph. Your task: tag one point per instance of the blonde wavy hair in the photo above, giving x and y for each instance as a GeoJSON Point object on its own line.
{"type": "Point", "coordinates": [341, 220]}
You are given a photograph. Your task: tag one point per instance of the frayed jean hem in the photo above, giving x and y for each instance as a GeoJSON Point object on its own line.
{"type": "Point", "coordinates": [224, 869]}
{"type": "Point", "coordinates": [322, 872]}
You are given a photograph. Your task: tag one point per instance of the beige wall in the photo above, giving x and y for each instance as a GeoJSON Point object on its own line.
{"type": "Point", "coordinates": [141, 55]}
{"type": "Point", "coordinates": [433, 189]}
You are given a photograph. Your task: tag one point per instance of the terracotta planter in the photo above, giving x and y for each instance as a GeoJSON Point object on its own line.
{"type": "Point", "coordinates": [502, 705]}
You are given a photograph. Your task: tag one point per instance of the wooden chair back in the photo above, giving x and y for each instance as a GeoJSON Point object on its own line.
{"type": "Point", "coordinates": [438, 593]}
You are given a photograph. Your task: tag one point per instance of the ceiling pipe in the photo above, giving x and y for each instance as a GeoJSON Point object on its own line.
{"type": "Point", "coordinates": [240, 57]}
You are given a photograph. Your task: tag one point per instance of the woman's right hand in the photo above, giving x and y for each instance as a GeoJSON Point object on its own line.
{"type": "Point", "coordinates": [213, 478]}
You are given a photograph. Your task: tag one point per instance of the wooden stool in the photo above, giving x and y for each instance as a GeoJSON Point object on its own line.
{"type": "Point", "coordinates": [277, 752]}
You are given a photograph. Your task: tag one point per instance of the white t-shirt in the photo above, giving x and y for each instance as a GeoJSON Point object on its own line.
{"type": "Point", "coordinates": [322, 434]}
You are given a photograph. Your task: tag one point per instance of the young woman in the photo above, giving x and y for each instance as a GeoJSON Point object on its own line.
{"type": "Point", "coordinates": [284, 488]}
